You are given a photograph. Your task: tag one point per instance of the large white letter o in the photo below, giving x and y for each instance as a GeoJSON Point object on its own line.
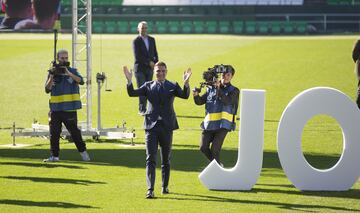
{"type": "Point", "coordinates": [311, 102]}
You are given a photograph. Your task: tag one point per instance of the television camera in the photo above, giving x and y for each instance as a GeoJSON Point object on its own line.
{"type": "Point", "coordinates": [211, 76]}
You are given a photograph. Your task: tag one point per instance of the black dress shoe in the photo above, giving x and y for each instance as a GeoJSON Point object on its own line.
{"type": "Point", "coordinates": [165, 190]}
{"type": "Point", "coordinates": [150, 194]}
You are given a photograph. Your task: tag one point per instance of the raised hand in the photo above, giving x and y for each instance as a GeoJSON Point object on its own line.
{"type": "Point", "coordinates": [187, 75]}
{"type": "Point", "coordinates": [152, 64]}
{"type": "Point", "coordinates": [128, 74]}
{"type": "Point", "coordinates": [195, 93]}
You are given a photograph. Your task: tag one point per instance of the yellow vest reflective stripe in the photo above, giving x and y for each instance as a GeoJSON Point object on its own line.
{"type": "Point", "coordinates": [64, 98]}
{"type": "Point", "coordinates": [218, 116]}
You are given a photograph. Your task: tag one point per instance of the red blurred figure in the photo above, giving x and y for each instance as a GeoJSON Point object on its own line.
{"type": "Point", "coordinates": [2, 7]}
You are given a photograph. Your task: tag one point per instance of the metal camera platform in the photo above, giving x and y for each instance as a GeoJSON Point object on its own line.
{"type": "Point", "coordinates": [116, 133]}
{"type": "Point", "coordinates": [39, 130]}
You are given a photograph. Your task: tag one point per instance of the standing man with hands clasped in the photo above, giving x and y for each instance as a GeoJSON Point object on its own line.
{"type": "Point", "coordinates": [63, 85]}
{"type": "Point", "coordinates": [160, 120]}
{"type": "Point", "coordinates": [221, 101]}
{"type": "Point", "coordinates": [146, 56]}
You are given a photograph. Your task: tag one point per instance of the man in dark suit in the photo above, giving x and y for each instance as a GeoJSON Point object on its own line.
{"type": "Point", "coordinates": [146, 56]}
{"type": "Point", "coordinates": [160, 120]}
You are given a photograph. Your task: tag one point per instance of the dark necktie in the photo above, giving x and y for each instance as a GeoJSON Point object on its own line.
{"type": "Point", "coordinates": [161, 91]}
{"type": "Point", "coordinates": [161, 87]}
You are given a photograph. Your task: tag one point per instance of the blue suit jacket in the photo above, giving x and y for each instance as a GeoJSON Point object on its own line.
{"type": "Point", "coordinates": [142, 55]}
{"type": "Point", "coordinates": [160, 103]}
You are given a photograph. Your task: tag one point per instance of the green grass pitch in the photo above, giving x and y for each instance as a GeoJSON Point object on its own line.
{"type": "Point", "coordinates": [114, 181]}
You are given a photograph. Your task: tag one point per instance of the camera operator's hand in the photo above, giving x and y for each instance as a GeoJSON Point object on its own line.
{"type": "Point", "coordinates": [49, 83]}
{"type": "Point", "coordinates": [152, 64]}
{"type": "Point", "coordinates": [186, 76]}
{"type": "Point", "coordinates": [128, 74]}
{"type": "Point", "coordinates": [217, 84]}
{"type": "Point", "coordinates": [77, 79]}
{"type": "Point", "coordinates": [52, 71]}
{"type": "Point", "coordinates": [67, 72]}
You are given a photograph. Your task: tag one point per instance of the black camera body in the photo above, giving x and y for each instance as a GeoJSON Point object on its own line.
{"type": "Point", "coordinates": [59, 69]}
{"type": "Point", "coordinates": [212, 74]}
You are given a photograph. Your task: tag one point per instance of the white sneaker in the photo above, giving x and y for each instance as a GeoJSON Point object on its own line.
{"type": "Point", "coordinates": [52, 159]}
{"type": "Point", "coordinates": [85, 156]}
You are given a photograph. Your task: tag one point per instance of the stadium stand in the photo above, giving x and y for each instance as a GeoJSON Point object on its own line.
{"type": "Point", "coordinates": [161, 26]}
{"type": "Point", "coordinates": [133, 26]}
{"type": "Point", "coordinates": [211, 26]}
{"type": "Point", "coordinates": [214, 2]}
{"type": "Point", "coordinates": [199, 26]}
{"type": "Point", "coordinates": [174, 26]}
{"type": "Point", "coordinates": [111, 27]}
{"type": "Point", "coordinates": [250, 27]}
{"type": "Point", "coordinates": [275, 27]}
{"type": "Point", "coordinates": [97, 26]}
{"type": "Point", "coordinates": [343, 2]}
{"type": "Point", "coordinates": [186, 27]}
{"type": "Point", "coordinates": [123, 26]}
{"type": "Point", "coordinates": [288, 27]}
{"type": "Point", "coordinates": [224, 27]}
{"type": "Point", "coordinates": [238, 27]}
{"type": "Point", "coordinates": [265, 17]}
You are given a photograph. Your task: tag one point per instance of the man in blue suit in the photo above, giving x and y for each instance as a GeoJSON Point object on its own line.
{"type": "Point", "coordinates": [146, 56]}
{"type": "Point", "coordinates": [160, 120]}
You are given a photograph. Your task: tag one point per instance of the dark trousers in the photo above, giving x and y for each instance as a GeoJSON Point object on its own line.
{"type": "Point", "coordinates": [143, 76]}
{"type": "Point", "coordinates": [216, 139]}
{"type": "Point", "coordinates": [70, 121]}
{"type": "Point", "coordinates": [158, 135]}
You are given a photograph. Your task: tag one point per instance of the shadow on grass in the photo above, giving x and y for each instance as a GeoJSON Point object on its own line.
{"type": "Point", "coordinates": [189, 160]}
{"type": "Point", "coordinates": [45, 165]}
{"type": "Point", "coordinates": [54, 180]}
{"type": "Point", "coordinates": [45, 204]}
{"type": "Point", "coordinates": [190, 116]}
{"type": "Point", "coordinates": [238, 119]}
{"type": "Point", "coordinates": [128, 143]}
{"type": "Point", "coordinates": [202, 117]}
{"type": "Point", "coordinates": [282, 205]}
{"type": "Point", "coordinates": [182, 159]}
{"type": "Point", "coordinates": [352, 193]}
{"type": "Point", "coordinates": [276, 185]}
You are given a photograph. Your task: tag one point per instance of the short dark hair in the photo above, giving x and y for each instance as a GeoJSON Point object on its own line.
{"type": "Point", "coordinates": [231, 69]}
{"type": "Point", "coordinates": [14, 7]}
{"type": "Point", "coordinates": [160, 64]}
{"type": "Point", "coordinates": [45, 9]}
